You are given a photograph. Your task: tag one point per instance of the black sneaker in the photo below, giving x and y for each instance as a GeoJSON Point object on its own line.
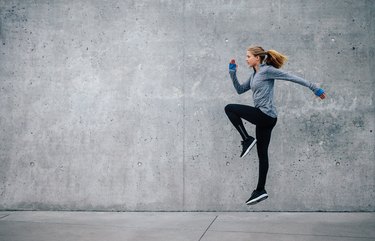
{"type": "Point", "coordinates": [256, 197]}
{"type": "Point", "coordinates": [247, 145]}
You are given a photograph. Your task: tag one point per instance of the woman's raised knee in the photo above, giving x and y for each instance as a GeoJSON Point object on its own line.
{"type": "Point", "coordinates": [228, 107]}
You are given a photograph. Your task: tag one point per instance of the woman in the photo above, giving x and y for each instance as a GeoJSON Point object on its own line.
{"type": "Point", "coordinates": [266, 66]}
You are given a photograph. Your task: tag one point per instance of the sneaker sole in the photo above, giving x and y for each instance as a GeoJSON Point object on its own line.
{"type": "Point", "coordinates": [250, 147]}
{"type": "Point", "coordinates": [258, 199]}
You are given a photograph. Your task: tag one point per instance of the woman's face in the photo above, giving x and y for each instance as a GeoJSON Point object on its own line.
{"type": "Point", "coordinates": [252, 60]}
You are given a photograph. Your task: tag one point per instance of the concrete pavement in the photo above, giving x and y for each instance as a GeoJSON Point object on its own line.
{"type": "Point", "coordinates": [185, 226]}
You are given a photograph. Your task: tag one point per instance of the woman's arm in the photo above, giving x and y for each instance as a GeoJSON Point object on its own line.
{"type": "Point", "coordinates": [239, 88]}
{"type": "Point", "coordinates": [273, 73]}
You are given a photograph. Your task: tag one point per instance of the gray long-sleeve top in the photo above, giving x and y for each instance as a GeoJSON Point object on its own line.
{"type": "Point", "coordinates": [262, 84]}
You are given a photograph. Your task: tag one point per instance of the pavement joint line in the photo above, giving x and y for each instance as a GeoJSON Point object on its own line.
{"type": "Point", "coordinates": [4, 216]}
{"type": "Point", "coordinates": [294, 234]}
{"type": "Point", "coordinates": [208, 228]}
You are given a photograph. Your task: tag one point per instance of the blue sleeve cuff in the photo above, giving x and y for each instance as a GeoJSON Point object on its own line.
{"type": "Point", "coordinates": [319, 92]}
{"type": "Point", "coordinates": [232, 66]}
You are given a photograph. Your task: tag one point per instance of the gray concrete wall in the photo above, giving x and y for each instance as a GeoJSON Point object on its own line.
{"type": "Point", "coordinates": [119, 105]}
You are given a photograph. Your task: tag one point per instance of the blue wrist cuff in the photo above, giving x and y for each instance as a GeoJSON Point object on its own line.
{"type": "Point", "coordinates": [232, 66]}
{"type": "Point", "coordinates": [319, 92]}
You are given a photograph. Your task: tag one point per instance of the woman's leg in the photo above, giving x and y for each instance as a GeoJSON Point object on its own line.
{"type": "Point", "coordinates": [236, 112]}
{"type": "Point", "coordinates": [264, 125]}
{"type": "Point", "coordinates": [263, 136]}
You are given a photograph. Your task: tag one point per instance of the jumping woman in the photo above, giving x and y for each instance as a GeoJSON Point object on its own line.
{"type": "Point", "coordinates": [266, 66]}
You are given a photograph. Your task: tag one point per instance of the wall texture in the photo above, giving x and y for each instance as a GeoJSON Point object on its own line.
{"type": "Point", "coordinates": [119, 105]}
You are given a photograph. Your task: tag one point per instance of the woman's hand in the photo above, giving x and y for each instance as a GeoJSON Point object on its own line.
{"type": "Point", "coordinates": [320, 92]}
{"type": "Point", "coordinates": [232, 65]}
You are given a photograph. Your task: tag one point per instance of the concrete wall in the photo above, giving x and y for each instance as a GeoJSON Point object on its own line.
{"type": "Point", "coordinates": [119, 105]}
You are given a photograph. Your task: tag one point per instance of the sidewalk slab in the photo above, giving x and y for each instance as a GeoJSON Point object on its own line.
{"type": "Point", "coordinates": [293, 226]}
{"type": "Point", "coordinates": [92, 226]}
{"type": "Point", "coordinates": [185, 226]}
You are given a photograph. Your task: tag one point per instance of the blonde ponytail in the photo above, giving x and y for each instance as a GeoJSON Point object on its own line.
{"type": "Point", "coordinates": [272, 57]}
{"type": "Point", "coordinates": [275, 58]}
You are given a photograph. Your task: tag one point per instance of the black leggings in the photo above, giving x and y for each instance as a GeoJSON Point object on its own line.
{"type": "Point", "coordinates": [264, 125]}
